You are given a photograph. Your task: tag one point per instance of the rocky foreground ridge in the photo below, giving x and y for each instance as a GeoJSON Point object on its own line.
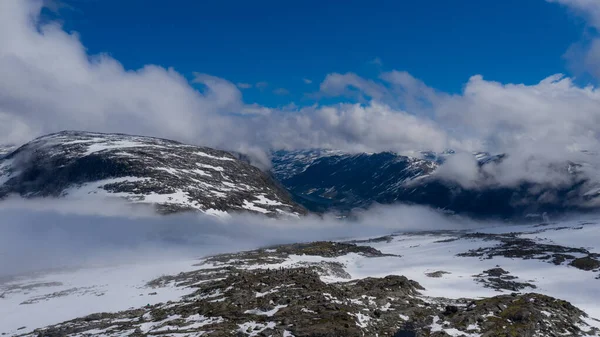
{"type": "Point", "coordinates": [265, 293]}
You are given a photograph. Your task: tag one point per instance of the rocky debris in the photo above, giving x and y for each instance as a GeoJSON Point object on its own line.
{"type": "Point", "coordinates": [329, 249]}
{"type": "Point", "coordinates": [266, 302]}
{"type": "Point", "coordinates": [273, 302]}
{"type": "Point", "coordinates": [586, 263]}
{"type": "Point", "coordinates": [516, 315]}
{"type": "Point", "coordinates": [513, 246]}
{"type": "Point", "coordinates": [437, 274]}
{"type": "Point", "coordinates": [262, 296]}
{"type": "Point", "coordinates": [278, 254]}
{"type": "Point", "coordinates": [189, 279]}
{"type": "Point", "coordinates": [173, 176]}
{"type": "Point", "coordinates": [500, 279]}
{"type": "Point", "coordinates": [386, 238]}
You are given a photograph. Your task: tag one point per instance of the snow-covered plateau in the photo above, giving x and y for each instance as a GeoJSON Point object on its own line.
{"type": "Point", "coordinates": [529, 280]}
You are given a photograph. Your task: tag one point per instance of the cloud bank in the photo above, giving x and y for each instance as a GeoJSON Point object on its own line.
{"type": "Point", "coordinates": [50, 83]}
{"type": "Point", "coordinates": [46, 234]}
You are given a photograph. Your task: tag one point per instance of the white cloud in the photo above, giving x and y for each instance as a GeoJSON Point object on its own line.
{"type": "Point", "coordinates": [413, 93]}
{"type": "Point", "coordinates": [462, 168]}
{"type": "Point", "coordinates": [590, 9]}
{"type": "Point", "coordinates": [352, 85]}
{"type": "Point", "coordinates": [307, 80]}
{"type": "Point", "coordinates": [42, 234]}
{"type": "Point", "coordinates": [584, 56]}
{"type": "Point", "coordinates": [50, 83]}
{"type": "Point", "coordinates": [256, 109]}
{"type": "Point", "coordinates": [242, 85]}
{"type": "Point", "coordinates": [555, 112]}
{"type": "Point", "coordinates": [281, 91]}
{"type": "Point", "coordinates": [395, 88]}
{"type": "Point", "coordinates": [261, 85]}
{"type": "Point", "coordinates": [376, 61]}
{"type": "Point", "coordinates": [537, 125]}
{"type": "Point", "coordinates": [353, 127]}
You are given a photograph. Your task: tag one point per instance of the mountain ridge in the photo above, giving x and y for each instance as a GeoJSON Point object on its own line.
{"type": "Point", "coordinates": [326, 181]}
{"type": "Point", "coordinates": [171, 175]}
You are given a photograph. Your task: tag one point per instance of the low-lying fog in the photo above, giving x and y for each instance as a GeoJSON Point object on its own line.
{"type": "Point", "coordinates": [54, 233]}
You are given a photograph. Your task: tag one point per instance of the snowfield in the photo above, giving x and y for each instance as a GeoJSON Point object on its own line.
{"type": "Point", "coordinates": [39, 300]}
{"type": "Point", "coordinates": [430, 258]}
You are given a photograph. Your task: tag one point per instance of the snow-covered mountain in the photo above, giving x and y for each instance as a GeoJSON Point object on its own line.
{"type": "Point", "coordinates": [327, 180]}
{"type": "Point", "coordinates": [287, 164]}
{"type": "Point", "coordinates": [171, 175]}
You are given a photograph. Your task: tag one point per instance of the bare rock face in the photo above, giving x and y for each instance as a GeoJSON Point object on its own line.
{"type": "Point", "coordinates": [171, 175]}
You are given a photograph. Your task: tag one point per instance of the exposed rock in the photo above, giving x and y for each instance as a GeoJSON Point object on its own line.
{"type": "Point", "coordinates": [437, 274]}
{"type": "Point", "coordinates": [500, 279]}
{"type": "Point", "coordinates": [386, 238]}
{"type": "Point", "coordinates": [277, 254]}
{"type": "Point", "coordinates": [586, 263]}
{"type": "Point", "coordinates": [513, 246]}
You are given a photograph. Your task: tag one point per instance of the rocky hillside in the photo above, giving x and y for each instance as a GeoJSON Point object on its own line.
{"type": "Point", "coordinates": [333, 181]}
{"type": "Point", "coordinates": [171, 175]}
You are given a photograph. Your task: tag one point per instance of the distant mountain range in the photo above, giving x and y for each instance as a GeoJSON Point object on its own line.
{"type": "Point", "coordinates": [333, 181]}
{"type": "Point", "coordinates": [173, 176]}
{"type": "Point", "coordinates": [178, 177]}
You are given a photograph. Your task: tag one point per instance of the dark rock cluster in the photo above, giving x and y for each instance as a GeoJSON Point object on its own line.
{"type": "Point", "coordinates": [500, 279]}
{"type": "Point", "coordinates": [514, 246]}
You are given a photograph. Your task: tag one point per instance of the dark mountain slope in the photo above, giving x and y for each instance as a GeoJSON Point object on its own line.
{"type": "Point", "coordinates": [171, 175]}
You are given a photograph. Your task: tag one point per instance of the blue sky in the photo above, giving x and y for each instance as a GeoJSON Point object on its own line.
{"type": "Point", "coordinates": [440, 42]}
{"type": "Point", "coordinates": [462, 75]}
